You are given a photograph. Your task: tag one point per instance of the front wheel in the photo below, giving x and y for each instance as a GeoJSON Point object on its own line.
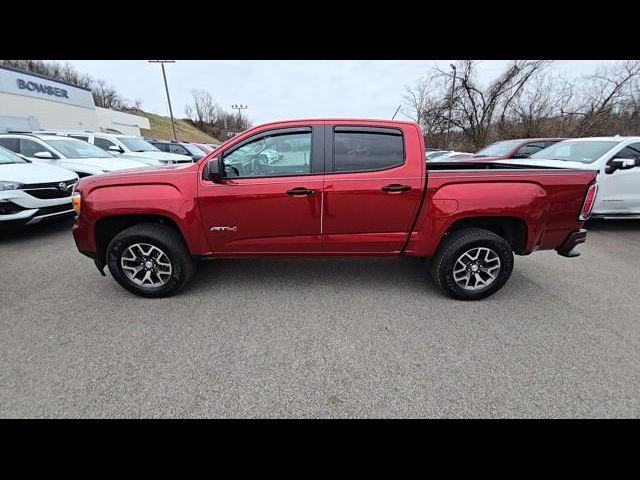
{"type": "Point", "coordinates": [150, 260]}
{"type": "Point", "coordinates": [472, 263]}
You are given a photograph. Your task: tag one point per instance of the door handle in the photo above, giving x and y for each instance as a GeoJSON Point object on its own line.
{"type": "Point", "coordinates": [395, 188]}
{"type": "Point", "coordinates": [300, 192]}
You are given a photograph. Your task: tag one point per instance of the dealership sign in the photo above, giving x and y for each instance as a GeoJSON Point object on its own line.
{"type": "Point", "coordinates": [18, 82]}
{"type": "Point", "coordinates": [42, 88]}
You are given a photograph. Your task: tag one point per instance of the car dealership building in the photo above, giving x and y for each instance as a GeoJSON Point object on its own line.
{"type": "Point", "coordinates": [31, 102]}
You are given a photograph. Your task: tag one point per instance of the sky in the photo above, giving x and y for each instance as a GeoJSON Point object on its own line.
{"type": "Point", "coordinates": [287, 89]}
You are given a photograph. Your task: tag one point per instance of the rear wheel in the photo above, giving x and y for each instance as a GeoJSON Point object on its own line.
{"type": "Point", "coordinates": [150, 260]}
{"type": "Point", "coordinates": [472, 263]}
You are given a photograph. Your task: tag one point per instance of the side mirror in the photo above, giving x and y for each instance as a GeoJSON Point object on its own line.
{"type": "Point", "coordinates": [115, 149]}
{"type": "Point", "coordinates": [214, 169]}
{"type": "Point", "coordinates": [44, 155]}
{"type": "Point", "coordinates": [620, 164]}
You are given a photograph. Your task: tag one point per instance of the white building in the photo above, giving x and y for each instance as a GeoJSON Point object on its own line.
{"type": "Point", "coordinates": [29, 101]}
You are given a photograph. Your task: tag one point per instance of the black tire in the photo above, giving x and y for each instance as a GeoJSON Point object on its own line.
{"type": "Point", "coordinates": [456, 244]}
{"type": "Point", "coordinates": [183, 265]}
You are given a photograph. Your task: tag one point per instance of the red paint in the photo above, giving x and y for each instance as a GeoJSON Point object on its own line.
{"type": "Point", "coordinates": [348, 215]}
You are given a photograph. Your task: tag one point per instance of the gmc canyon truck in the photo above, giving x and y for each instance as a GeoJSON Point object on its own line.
{"type": "Point", "coordinates": [340, 187]}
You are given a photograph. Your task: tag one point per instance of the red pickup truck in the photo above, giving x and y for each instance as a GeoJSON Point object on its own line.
{"type": "Point", "coordinates": [329, 187]}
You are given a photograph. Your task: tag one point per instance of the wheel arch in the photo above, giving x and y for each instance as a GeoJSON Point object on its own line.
{"type": "Point", "coordinates": [513, 229]}
{"type": "Point", "coordinates": [108, 227]}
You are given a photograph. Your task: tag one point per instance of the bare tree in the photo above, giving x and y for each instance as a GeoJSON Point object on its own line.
{"type": "Point", "coordinates": [476, 108]}
{"type": "Point", "coordinates": [604, 94]}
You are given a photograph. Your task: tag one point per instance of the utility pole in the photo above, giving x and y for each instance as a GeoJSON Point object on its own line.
{"type": "Point", "coordinates": [164, 75]}
{"type": "Point", "coordinates": [453, 86]}
{"type": "Point", "coordinates": [239, 108]}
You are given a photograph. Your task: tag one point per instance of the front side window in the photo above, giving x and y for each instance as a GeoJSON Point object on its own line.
{"type": "Point", "coordinates": [630, 151]}
{"type": "Point", "coordinates": [136, 144]}
{"type": "Point", "coordinates": [364, 151]}
{"type": "Point", "coordinates": [583, 151]}
{"type": "Point", "coordinates": [71, 148]}
{"type": "Point", "coordinates": [179, 149]}
{"type": "Point", "coordinates": [271, 156]}
{"type": "Point", "coordinates": [103, 143]}
{"type": "Point", "coordinates": [29, 148]}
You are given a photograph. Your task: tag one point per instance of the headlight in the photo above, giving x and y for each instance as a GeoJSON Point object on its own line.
{"type": "Point", "coordinates": [76, 201]}
{"type": "Point", "coordinates": [10, 185]}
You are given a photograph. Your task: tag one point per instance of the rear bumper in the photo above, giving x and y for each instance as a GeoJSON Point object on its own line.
{"type": "Point", "coordinates": [573, 240]}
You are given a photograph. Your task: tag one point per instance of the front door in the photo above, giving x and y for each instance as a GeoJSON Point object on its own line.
{"type": "Point", "coordinates": [619, 192]}
{"type": "Point", "coordinates": [269, 200]}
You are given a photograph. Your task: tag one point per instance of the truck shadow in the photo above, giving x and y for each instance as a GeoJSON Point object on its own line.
{"type": "Point", "coordinates": [614, 225]}
{"type": "Point", "coordinates": [354, 273]}
{"type": "Point", "coordinates": [40, 232]}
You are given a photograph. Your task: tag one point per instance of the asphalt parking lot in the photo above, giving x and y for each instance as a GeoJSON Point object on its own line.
{"type": "Point", "coordinates": [320, 337]}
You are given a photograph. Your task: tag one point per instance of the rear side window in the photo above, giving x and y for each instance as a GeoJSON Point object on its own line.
{"type": "Point", "coordinates": [361, 151]}
{"type": "Point", "coordinates": [162, 146]}
{"type": "Point", "coordinates": [12, 144]}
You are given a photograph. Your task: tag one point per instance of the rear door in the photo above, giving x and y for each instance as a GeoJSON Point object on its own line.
{"type": "Point", "coordinates": [267, 207]}
{"type": "Point", "coordinates": [373, 188]}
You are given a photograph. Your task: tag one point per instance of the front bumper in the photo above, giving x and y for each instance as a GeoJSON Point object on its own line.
{"type": "Point", "coordinates": [18, 208]}
{"type": "Point", "coordinates": [573, 240]}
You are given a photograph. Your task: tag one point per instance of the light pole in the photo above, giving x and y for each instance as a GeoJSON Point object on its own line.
{"type": "Point", "coordinates": [453, 85]}
{"type": "Point", "coordinates": [239, 108]}
{"type": "Point", "coordinates": [164, 75]}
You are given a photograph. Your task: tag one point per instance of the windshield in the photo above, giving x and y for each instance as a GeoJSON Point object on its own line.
{"type": "Point", "coordinates": [7, 156]}
{"type": "Point", "coordinates": [71, 148]}
{"type": "Point", "coordinates": [137, 144]}
{"type": "Point", "coordinates": [587, 151]}
{"type": "Point", "coordinates": [497, 149]}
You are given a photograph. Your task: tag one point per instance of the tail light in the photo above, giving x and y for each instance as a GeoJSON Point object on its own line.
{"type": "Point", "coordinates": [589, 200]}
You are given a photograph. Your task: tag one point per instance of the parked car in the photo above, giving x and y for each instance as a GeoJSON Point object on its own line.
{"type": "Point", "coordinates": [359, 188]}
{"type": "Point", "coordinates": [31, 192]}
{"type": "Point", "coordinates": [516, 148]}
{"type": "Point", "coordinates": [126, 146]}
{"type": "Point", "coordinates": [617, 163]}
{"type": "Point", "coordinates": [75, 155]}
{"type": "Point", "coordinates": [181, 148]}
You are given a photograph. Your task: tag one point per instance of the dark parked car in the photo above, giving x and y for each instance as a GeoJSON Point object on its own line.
{"type": "Point", "coordinates": [181, 148]}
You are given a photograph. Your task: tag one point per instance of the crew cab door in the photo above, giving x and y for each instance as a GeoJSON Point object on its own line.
{"type": "Point", "coordinates": [619, 192]}
{"type": "Point", "coordinates": [373, 187]}
{"type": "Point", "coordinates": [267, 203]}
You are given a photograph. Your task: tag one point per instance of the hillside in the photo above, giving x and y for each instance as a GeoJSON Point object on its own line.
{"type": "Point", "coordinates": [161, 128]}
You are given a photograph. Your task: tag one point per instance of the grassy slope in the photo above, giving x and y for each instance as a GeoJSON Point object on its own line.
{"type": "Point", "coordinates": [161, 128]}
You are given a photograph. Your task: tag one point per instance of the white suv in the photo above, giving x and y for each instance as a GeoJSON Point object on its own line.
{"type": "Point", "coordinates": [75, 155]}
{"type": "Point", "coordinates": [127, 146]}
{"type": "Point", "coordinates": [31, 192]}
{"type": "Point", "coordinates": [617, 161]}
